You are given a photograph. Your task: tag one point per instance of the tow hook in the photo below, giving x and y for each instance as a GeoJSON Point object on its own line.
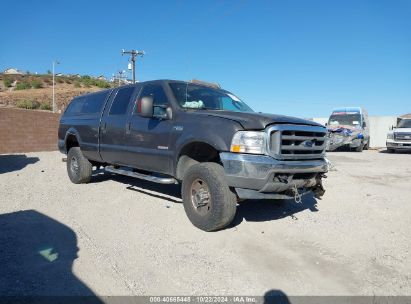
{"type": "Point", "coordinates": [297, 195]}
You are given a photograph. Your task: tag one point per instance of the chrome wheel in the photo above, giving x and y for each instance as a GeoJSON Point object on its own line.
{"type": "Point", "coordinates": [200, 196]}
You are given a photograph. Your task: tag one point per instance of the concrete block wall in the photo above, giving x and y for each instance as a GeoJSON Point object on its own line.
{"type": "Point", "coordinates": [27, 130]}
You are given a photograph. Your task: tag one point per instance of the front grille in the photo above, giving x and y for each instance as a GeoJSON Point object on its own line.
{"type": "Point", "coordinates": [297, 141]}
{"type": "Point", "coordinates": [402, 136]}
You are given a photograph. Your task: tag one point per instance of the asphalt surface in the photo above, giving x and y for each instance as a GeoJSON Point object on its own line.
{"type": "Point", "coordinates": [121, 236]}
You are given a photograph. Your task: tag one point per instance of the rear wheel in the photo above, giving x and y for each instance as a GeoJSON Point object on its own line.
{"type": "Point", "coordinates": [79, 169]}
{"type": "Point", "coordinates": [208, 201]}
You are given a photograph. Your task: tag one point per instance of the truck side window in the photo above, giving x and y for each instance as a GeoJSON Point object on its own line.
{"type": "Point", "coordinates": [159, 97]}
{"type": "Point", "coordinates": [94, 103]}
{"type": "Point", "coordinates": [121, 101]}
{"type": "Point", "coordinates": [74, 108]}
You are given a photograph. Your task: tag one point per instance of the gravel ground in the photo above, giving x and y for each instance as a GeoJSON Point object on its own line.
{"type": "Point", "coordinates": [121, 236]}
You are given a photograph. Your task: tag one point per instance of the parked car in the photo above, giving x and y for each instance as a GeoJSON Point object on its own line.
{"type": "Point", "coordinates": [399, 137]}
{"type": "Point", "coordinates": [202, 136]}
{"type": "Point", "coordinates": [349, 128]}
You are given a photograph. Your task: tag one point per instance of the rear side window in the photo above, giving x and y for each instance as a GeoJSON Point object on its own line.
{"type": "Point", "coordinates": [75, 106]}
{"type": "Point", "coordinates": [94, 103]}
{"type": "Point", "coordinates": [89, 104]}
{"type": "Point", "coordinates": [121, 101]}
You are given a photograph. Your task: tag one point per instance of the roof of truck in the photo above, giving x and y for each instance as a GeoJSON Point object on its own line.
{"type": "Point", "coordinates": [348, 110]}
{"type": "Point", "coordinates": [196, 82]}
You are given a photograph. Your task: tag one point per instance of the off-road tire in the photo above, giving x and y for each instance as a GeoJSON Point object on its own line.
{"type": "Point", "coordinates": [76, 159]}
{"type": "Point", "coordinates": [222, 203]}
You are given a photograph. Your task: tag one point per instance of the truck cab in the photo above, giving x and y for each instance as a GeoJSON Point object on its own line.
{"type": "Point", "coordinates": [196, 134]}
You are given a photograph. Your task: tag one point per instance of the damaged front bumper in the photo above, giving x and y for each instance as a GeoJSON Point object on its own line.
{"type": "Point", "coordinates": [344, 138]}
{"type": "Point", "coordinates": [263, 177]}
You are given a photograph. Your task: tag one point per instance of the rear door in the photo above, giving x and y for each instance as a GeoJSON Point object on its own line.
{"type": "Point", "coordinates": [148, 139]}
{"type": "Point", "coordinates": [113, 126]}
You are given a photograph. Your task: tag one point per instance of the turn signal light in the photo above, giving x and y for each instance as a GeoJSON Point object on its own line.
{"type": "Point", "coordinates": [236, 148]}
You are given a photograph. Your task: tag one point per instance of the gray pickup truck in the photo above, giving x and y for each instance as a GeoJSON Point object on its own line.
{"type": "Point", "coordinates": [199, 135]}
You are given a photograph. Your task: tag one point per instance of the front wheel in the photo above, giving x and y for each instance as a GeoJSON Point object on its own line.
{"type": "Point", "coordinates": [79, 169]}
{"type": "Point", "coordinates": [208, 201]}
{"type": "Point", "coordinates": [359, 148]}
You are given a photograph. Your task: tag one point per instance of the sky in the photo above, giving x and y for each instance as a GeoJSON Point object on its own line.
{"type": "Point", "coordinates": [296, 57]}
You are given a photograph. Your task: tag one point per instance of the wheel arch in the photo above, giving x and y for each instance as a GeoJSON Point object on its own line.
{"type": "Point", "coordinates": [72, 139]}
{"type": "Point", "coordinates": [194, 152]}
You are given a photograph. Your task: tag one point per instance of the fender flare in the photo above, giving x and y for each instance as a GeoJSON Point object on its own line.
{"type": "Point", "coordinates": [72, 132]}
{"type": "Point", "coordinates": [218, 145]}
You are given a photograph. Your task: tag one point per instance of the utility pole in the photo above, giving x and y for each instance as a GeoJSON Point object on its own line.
{"type": "Point", "coordinates": [54, 100]}
{"type": "Point", "coordinates": [133, 54]}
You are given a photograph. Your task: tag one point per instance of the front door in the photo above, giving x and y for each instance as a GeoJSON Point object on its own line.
{"type": "Point", "coordinates": [148, 139]}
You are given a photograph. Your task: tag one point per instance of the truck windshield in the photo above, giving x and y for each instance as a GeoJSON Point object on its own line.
{"type": "Point", "coordinates": [404, 123]}
{"type": "Point", "coordinates": [192, 96]}
{"type": "Point", "coordinates": [345, 119]}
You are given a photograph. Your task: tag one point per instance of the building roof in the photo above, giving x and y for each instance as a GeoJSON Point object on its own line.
{"type": "Point", "coordinates": [12, 71]}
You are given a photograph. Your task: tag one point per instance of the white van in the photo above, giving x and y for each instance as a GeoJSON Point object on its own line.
{"type": "Point", "coordinates": [349, 127]}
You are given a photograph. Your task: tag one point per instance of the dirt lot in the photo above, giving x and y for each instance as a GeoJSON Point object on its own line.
{"type": "Point", "coordinates": [120, 236]}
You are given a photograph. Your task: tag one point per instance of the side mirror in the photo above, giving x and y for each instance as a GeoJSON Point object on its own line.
{"type": "Point", "coordinates": [145, 106]}
{"type": "Point", "coordinates": [391, 128]}
{"type": "Point", "coordinates": [326, 124]}
{"type": "Point", "coordinates": [364, 124]}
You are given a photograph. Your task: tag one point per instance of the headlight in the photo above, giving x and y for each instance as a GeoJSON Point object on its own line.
{"type": "Point", "coordinates": [248, 142]}
{"type": "Point", "coordinates": [390, 136]}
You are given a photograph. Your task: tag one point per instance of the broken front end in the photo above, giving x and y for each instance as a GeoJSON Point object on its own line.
{"type": "Point", "coordinates": [292, 164]}
{"type": "Point", "coordinates": [344, 136]}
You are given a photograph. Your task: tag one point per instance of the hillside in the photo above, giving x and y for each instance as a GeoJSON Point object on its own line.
{"type": "Point", "coordinates": [35, 91]}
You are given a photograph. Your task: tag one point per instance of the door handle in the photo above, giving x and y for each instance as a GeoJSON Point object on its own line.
{"type": "Point", "coordinates": [128, 128]}
{"type": "Point", "coordinates": [104, 127]}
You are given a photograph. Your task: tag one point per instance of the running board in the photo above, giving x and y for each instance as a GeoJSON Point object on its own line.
{"type": "Point", "coordinates": [151, 178]}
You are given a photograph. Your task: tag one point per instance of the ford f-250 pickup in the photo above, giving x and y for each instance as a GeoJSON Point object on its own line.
{"type": "Point", "coordinates": [199, 135]}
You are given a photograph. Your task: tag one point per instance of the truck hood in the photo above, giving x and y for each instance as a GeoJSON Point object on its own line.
{"type": "Point", "coordinates": [257, 121]}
